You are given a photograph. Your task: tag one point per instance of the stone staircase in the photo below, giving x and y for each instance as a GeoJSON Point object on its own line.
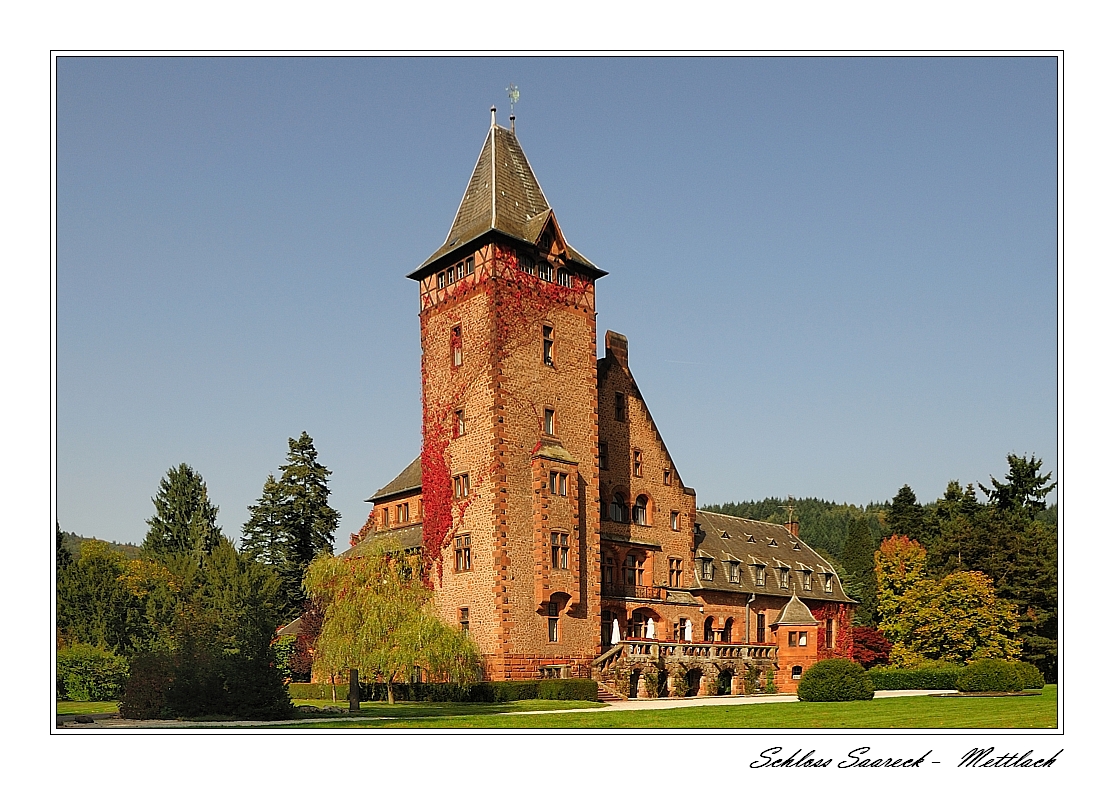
{"type": "Point", "coordinates": [607, 694]}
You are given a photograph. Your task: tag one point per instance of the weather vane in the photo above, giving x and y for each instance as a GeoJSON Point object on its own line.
{"type": "Point", "coordinates": [789, 508]}
{"type": "Point", "coordinates": [512, 93]}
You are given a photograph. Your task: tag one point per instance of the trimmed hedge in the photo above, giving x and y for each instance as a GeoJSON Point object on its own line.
{"type": "Point", "coordinates": [935, 676]}
{"type": "Point", "coordinates": [990, 676]}
{"type": "Point", "coordinates": [480, 692]}
{"type": "Point", "coordinates": [835, 680]}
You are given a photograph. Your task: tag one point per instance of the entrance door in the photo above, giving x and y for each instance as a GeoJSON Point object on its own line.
{"type": "Point", "coordinates": [634, 676]}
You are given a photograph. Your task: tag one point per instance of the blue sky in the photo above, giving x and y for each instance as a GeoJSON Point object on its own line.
{"type": "Point", "coordinates": [837, 275]}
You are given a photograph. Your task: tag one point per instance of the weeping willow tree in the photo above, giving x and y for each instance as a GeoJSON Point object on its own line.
{"type": "Point", "coordinates": [380, 619]}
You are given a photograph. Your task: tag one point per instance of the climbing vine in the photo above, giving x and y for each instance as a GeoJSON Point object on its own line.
{"type": "Point", "coordinates": [842, 615]}
{"type": "Point", "coordinates": [521, 302]}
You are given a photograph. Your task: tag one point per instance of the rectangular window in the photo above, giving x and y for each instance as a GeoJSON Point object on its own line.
{"type": "Point", "coordinates": [440, 280]}
{"type": "Point", "coordinates": [609, 570]}
{"type": "Point", "coordinates": [404, 510]}
{"type": "Point", "coordinates": [551, 610]}
{"type": "Point", "coordinates": [559, 550]}
{"type": "Point", "coordinates": [547, 344]}
{"type": "Point", "coordinates": [462, 546]}
{"type": "Point", "coordinates": [637, 463]}
{"type": "Point", "coordinates": [733, 572]}
{"type": "Point", "coordinates": [806, 579]}
{"type": "Point", "coordinates": [634, 569]}
{"type": "Point", "coordinates": [620, 407]}
{"type": "Point", "coordinates": [460, 486]}
{"type": "Point", "coordinates": [550, 424]}
{"type": "Point", "coordinates": [456, 346]}
{"type": "Point", "coordinates": [559, 483]}
{"type": "Point", "coordinates": [675, 572]}
{"type": "Point", "coordinates": [469, 265]}
{"type": "Point", "coordinates": [760, 624]}
{"type": "Point", "coordinates": [802, 639]}
{"type": "Point", "coordinates": [783, 577]}
{"type": "Point", "coordinates": [563, 277]}
{"type": "Point", "coordinates": [667, 476]}
{"type": "Point", "coordinates": [829, 633]}
{"type": "Point", "coordinates": [460, 271]}
{"type": "Point", "coordinates": [464, 620]}
{"type": "Point", "coordinates": [828, 582]}
{"type": "Point", "coordinates": [707, 570]}
{"type": "Point", "coordinates": [759, 574]}
{"type": "Point", "coordinates": [675, 521]}
{"type": "Point", "coordinates": [458, 423]}
{"type": "Point", "coordinates": [386, 515]}
{"type": "Point", "coordinates": [603, 456]}
{"type": "Point", "coordinates": [792, 639]}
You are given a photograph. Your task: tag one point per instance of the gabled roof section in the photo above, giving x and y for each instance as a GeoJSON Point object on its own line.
{"type": "Point", "coordinates": [795, 612]}
{"type": "Point", "coordinates": [409, 480]}
{"type": "Point", "coordinates": [502, 196]}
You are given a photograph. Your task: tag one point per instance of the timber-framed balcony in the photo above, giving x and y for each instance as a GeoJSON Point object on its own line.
{"type": "Point", "coordinates": [633, 591]}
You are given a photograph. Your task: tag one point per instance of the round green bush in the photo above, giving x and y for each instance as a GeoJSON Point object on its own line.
{"type": "Point", "coordinates": [1031, 677]}
{"type": "Point", "coordinates": [835, 680]}
{"type": "Point", "coordinates": [90, 673]}
{"type": "Point", "coordinates": [989, 676]}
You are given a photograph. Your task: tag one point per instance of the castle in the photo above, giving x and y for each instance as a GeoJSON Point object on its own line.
{"type": "Point", "coordinates": [555, 526]}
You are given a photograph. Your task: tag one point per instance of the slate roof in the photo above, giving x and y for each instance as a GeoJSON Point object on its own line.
{"type": "Point", "coordinates": [404, 538]}
{"type": "Point", "coordinates": [751, 543]}
{"type": "Point", "coordinates": [502, 196]}
{"type": "Point", "coordinates": [409, 480]}
{"type": "Point", "coordinates": [795, 612]}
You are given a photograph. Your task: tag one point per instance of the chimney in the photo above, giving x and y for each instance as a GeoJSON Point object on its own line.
{"type": "Point", "coordinates": [794, 528]}
{"type": "Point", "coordinates": [617, 347]}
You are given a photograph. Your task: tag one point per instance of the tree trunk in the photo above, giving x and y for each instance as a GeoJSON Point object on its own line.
{"type": "Point", "coordinates": [333, 681]}
{"type": "Point", "coordinates": [353, 691]}
{"type": "Point", "coordinates": [390, 692]}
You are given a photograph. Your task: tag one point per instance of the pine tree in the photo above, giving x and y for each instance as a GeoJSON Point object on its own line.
{"type": "Point", "coordinates": [305, 483]}
{"type": "Point", "coordinates": [1025, 487]}
{"type": "Point", "coordinates": [858, 560]}
{"type": "Point", "coordinates": [266, 532]}
{"type": "Point", "coordinates": [184, 519]}
{"type": "Point", "coordinates": [906, 517]}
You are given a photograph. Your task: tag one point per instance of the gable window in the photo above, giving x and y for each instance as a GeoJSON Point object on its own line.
{"type": "Point", "coordinates": [563, 277]}
{"type": "Point", "coordinates": [828, 582]}
{"type": "Point", "coordinates": [462, 548]}
{"type": "Point", "coordinates": [559, 483]}
{"type": "Point", "coordinates": [760, 627]}
{"type": "Point", "coordinates": [666, 476]}
{"type": "Point", "coordinates": [759, 575]}
{"type": "Point", "coordinates": [674, 572]}
{"type": "Point", "coordinates": [620, 407]}
{"type": "Point", "coordinates": [464, 620]}
{"type": "Point", "coordinates": [460, 486]}
{"type": "Point", "coordinates": [456, 346]}
{"type": "Point", "coordinates": [638, 513]}
{"type": "Point", "coordinates": [633, 569]}
{"type": "Point", "coordinates": [637, 463]}
{"type": "Point", "coordinates": [707, 569]}
{"type": "Point", "coordinates": [733, 571]}
{"type": "Point", "coordinates": [458, 423]}
{"type": "Point", "coordinates": [551, 612]}
{"type": "Point", "coordinates": [675, 520]}
{"type": "Point", "coordinates": [618, 512]}
{"type": "Point", "coordinates": [549, 422]}
{"type": "Point", "coordinates": [545, 271]}
{"type": "Point", "coordinates": [559, 550]}
{"type": "Point", "coordinates": [783, 577]}
{"type": "Point", "coordinates": [806, 579]}
{"type": "Point", "coordinates": [603, 456]}
{"type": "Point", "coordinates": [547, 344]}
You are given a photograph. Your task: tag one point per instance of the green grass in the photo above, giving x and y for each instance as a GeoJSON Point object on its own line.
{"type": "Point", "coordinates": [419, 710]}
{"type": "Point", "coordinates": [87, 707]}
{"type": "Point", "coordinates": [918, 712]}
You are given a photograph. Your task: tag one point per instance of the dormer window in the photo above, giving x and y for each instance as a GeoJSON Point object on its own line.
{"type": "Point", "coordinates": [707, 569]}
{"type": "Point", "coordinates": [733, 571]}
{"type": "Point", "coordinates": [759, 575]}
{"type": "Point", "coordinates": [828, 582]}
{"type": "Point", "coordinates": [806, 580]}
{"type": "Point", "coordinates": [773, 543]}
{"type": "Point", "coordinates": [783, 577]}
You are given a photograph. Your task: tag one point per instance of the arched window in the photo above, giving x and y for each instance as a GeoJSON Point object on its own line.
{"type": "Point", "coordinates": [725, 636]}
{"type": "Point", "coordinates": [618, 510]}
{"type": "Point", "coordinates": [709, 630]}
{"type": "Point", "coordinates": [639, 513]}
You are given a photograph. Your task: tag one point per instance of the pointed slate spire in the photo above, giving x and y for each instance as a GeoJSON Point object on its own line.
{"type": "Point", "coordinates": [504, 196]}
{"type": "Point", "coordinates": [795, 612]}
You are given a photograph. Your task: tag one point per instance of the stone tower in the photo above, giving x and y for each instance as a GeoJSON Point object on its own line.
{"type": "Point", "coordinates": [509, 478]}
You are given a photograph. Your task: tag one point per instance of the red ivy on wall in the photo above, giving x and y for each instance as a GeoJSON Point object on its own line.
{"type": "Point", "coordinates": [842, 615]}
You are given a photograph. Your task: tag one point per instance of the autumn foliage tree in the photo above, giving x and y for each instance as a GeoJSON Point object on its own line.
{"type": "Point", "coordinates": [379, 618]}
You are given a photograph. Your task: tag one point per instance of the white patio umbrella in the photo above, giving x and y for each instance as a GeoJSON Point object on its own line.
{"type": "Point", "coordinates": [615, 636]}
{"type": "Point", "coordinates": [688, 630]}
{"type": "Point", "coordinates": [650, 629]}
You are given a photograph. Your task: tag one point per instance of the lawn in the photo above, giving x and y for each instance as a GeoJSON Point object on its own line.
{"type": "Point", "coordinates": [86, 707]}
{"type": "Point", "coordinates": [418, 710]}
{"type": "Point", "coordinates": [919, 712]}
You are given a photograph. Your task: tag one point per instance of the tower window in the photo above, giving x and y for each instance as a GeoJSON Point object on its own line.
{"type": "Point", "coordinates": [547, 344]}
{"type": "Point", "coordinates": [829, 633]}
{"type": "Point", "coordinates": [633, 570]}
{"type": "Point", "coordinates": [440, 280]}
{"type": "Point", "coordinates": [450, 275]}
{"type": "Point", "coordinates": [559, 550]}
{"type": "Point", "coordinates": [462, 548]}
{"type": "Point", "coordinates": [675, 521]}
{"type": "Point", "coordinates": [545, 271]}
{"type": "Point", "coordinates": [456, 346]}
{"type": "Point", "coordinates": [667, 476]}
{"type": "Point", "coordinates": [620, 407]}
{"type": "Point", "coordinates": [458, 422]}
{"type": "Point", "coordinates": [618, 512]}
{"type": "Point", "coordinates": [637, 463]}
{"type": "Point", "coordinates": [603, 456]}
{"type": "Point", "coordinates": [639, 511]}
{"type": "Point", "coordinates": [525, 264]}
{"type": "Point", "coordinates": [464, 620]}
{"type": "Point", "coordinates": [550, 424]}
{"type": "Point", "coordinates": [559, 483]}
{"type": "Point", "coordinates": [460, 486]}
{"type": "Point", "coordinates": [551, 612]}
{"type": "Point", "coordinates": [563, 277]}
{"type": "Point", "coordinates": [674, 572]}
{"type": "Point", "coordinates": [469, 265]}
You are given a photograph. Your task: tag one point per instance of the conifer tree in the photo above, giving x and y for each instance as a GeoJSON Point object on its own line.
{"type": "Point", "coordinates": [266, 532]}
{"type": "Point", "coordinates": [305, 484]}
{"type": "Point", "coordinates": [1025, 487]}
{"type": "Point", "coordinates": [858, 560]}
{"type": "Point", "coordinates": [184, 519]}
{"type": "Point", "coordinates": [906, 517]}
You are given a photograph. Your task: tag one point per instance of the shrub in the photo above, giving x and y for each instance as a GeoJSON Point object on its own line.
{"type": "Point", "coordinates": [990, 676]}
{"type": "Point", "coordinates": [1031, 676]}
{"type": "Point", "coordinates": [570, 689]}
{"type": "Point", "coordinates": [90, 673]}
{"type": "Point", "coordinates": [148, 683]}
{"type": "Point", "coordinates": [835, 680]}
{"type": "Point", "coordinates": [932, 675]}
